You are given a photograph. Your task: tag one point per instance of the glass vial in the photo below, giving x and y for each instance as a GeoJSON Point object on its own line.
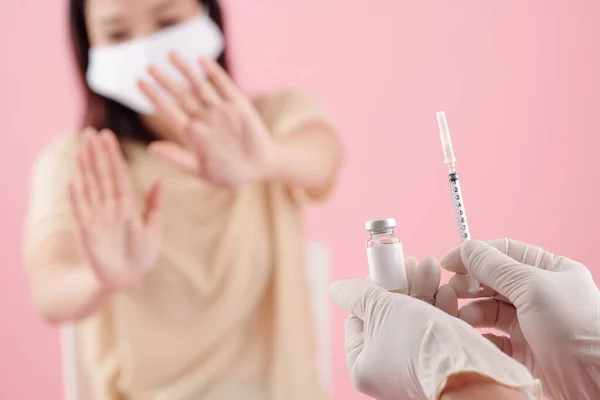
{"type": "Point", "coordinates": [386, 256]}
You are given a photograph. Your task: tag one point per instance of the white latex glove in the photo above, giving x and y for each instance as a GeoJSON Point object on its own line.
{"type": "Point", "coordinates": [398, 347]}
{"type": "Point", "coordinates": [424, 284]}
{"type": "Point", "coordinates": [548, 305]}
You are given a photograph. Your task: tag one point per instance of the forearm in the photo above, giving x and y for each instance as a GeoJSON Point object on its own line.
{"type": "Point", "coordinates": [308, 158]}
{"type": "Point", "coordinates": [488, 391]}
{"type": "Point", "coordinates": [470, 387]}
{"type": "Point", "coordinates": [64, 294]}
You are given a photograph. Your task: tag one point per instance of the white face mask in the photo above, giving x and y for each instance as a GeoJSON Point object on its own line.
{"type": "Point", "coordinates": [114, 71]}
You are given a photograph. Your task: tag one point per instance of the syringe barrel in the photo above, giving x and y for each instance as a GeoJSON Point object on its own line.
{"type": "Point", "coordinates": [459, 207]}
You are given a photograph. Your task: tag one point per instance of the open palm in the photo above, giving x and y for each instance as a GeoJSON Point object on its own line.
{"type": "Point", "coordinates": [224, 139]}
{"type": "Point", "coordinates": [120, 242]}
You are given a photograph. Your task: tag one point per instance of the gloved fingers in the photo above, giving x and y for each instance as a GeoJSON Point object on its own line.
{"type": "Point", "coordinates": [493, 268]}
{"type": "Point", "coordinates": [460, 284]}
{"type": "Point", "coordinates": [527, 254]}
{"type": "Point", "coordinates": [446, 300]}
{"type": "Point", "coordinates": [427, 280]}
{"type": "Point", "coordinates": [355, 296]}
{"type": "Point", "coordinates": [452, 261]}
{"type": "Point", "coordinates": [497, 270]}
{"type": "Point", "coordinates": [353, 327]}
{"type": "Point", "coordinates": [354, 339]}
{"type": "Point", "coordinates": [489, 313]}
{"type": "Point", "coordinates": [501, 342]}
{"type": "Point", "coordinates": [410, 264]}
{"type": "Point", "coordinates": [524, 253]}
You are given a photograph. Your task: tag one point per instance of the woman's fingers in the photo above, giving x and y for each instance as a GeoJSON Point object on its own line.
{"type": "Point", "coordinates": [113, 175]}
{"type": "Point", "coordinates": [80, 212]}
{"type": "Point", "coordinates": [121, 182]}
{"type": "Point", "coordinates": [489, 313]}
{"type": "Point", "coordinates": [168, 110]}
{"type": "Point", "coordinates": [226, 88]}
{"type": "Point", "coordinates": [102, 175]}
{"type": "Point", "coordinates": [178, 91]}
{"type": "Point", "coordinates": [85, 193]}
{"type": "Point", "coordinates": [201, 87]}
{"type": "Point", "coordinates": [427, 280]}
{"type": "Point", "coordinates": [176, 155]}
{"type": "Point", "coordinates": [502, 342]}
{"type": "Point", "coordinates": [86, 169]}
{"type": "Point", "coordinates": [77, 203]}
{"type": "Point", "coordinates": [102, 168]}
{"type": "Point", "coordinates": [96, 166]}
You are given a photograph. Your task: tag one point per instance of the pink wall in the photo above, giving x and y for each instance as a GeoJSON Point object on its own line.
{"type": "Point", "coordinates": [518, 80]}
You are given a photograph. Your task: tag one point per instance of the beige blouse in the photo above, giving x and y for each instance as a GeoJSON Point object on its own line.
{"type": "Point", "coordinates": [226, 313]}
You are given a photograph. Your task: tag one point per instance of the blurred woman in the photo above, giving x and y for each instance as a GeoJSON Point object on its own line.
{"type": "Point", "coordinates": [169, 229]}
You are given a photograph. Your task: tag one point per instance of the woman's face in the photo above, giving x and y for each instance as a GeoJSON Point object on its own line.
{"type": "Point", "coordinates": [114, 21]}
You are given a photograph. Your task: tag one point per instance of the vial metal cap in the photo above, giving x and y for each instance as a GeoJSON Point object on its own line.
{"type": "Point", "coordinates": [380, 224]}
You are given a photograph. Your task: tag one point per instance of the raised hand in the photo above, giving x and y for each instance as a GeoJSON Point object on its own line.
{"type": "Point", "coordinates": [118, 239]}
{"type": "Point", "coordinates": [221, 136]}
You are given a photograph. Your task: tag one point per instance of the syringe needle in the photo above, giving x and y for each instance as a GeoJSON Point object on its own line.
{"type": "Point", "coordinates": [449, 158]}
{"type": "Point", "coordinates": [457, 197]}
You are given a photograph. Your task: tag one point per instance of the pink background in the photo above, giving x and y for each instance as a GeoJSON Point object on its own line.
{"type": "Point", "coordinates": [517, 79]}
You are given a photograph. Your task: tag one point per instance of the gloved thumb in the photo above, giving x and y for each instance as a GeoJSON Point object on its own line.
{"type": "Point", "coordinates": [355, 295]}
{"type": "Point", "coordinates": [496, 270]}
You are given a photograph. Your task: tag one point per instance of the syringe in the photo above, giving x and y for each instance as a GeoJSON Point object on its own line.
{"type": "Point", "coordinates": [457, 197]}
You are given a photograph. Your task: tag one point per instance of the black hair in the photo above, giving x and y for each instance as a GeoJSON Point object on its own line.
{"type": "Point", "coordinates": [101, 112]}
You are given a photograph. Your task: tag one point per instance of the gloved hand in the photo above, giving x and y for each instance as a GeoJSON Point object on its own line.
{"type": "Point", "coordinates": [548, 305]}
{"type": "Point", "coordinates": [424, 279]}
{"type": "Point", "coordinates": [399, 347]}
